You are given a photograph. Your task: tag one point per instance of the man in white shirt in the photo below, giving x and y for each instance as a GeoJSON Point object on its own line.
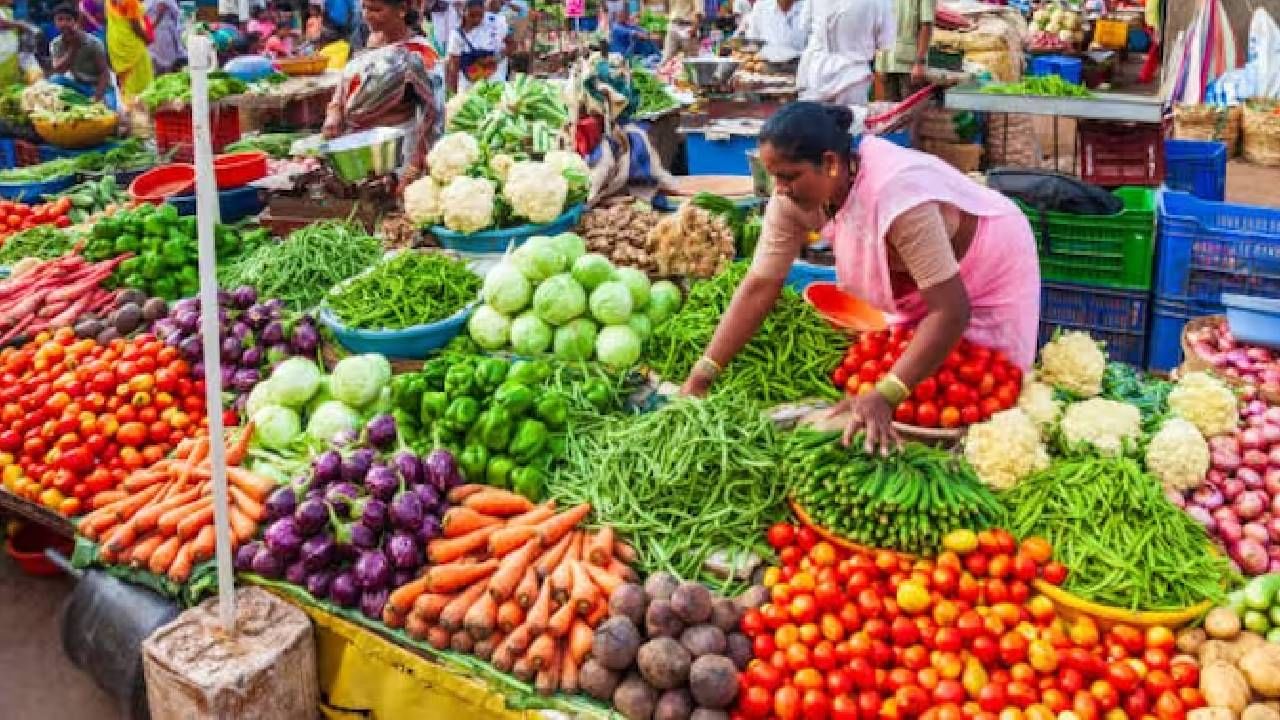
{"type": "Point", "coordinates": [782, 25]}
{"type": "Point", "coordinates": [836, 66]}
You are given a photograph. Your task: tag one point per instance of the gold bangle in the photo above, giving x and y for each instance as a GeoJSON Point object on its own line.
{"type": "Point", "coordinates": [716, 369]}
{"type": "Point", "coordinates": [893, 389]}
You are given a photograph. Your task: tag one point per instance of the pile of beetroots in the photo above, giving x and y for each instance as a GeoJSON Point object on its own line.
{"type": "Point", "coordinates": [358, 524]}
{"type": "Point", "coordinates": [1239, 501]}
{"type": "Point", "coordinates": [1215, 344]}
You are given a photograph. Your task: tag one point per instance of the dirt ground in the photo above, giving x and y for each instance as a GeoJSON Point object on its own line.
{"type": "Point", "coordinates": [1253, 184]}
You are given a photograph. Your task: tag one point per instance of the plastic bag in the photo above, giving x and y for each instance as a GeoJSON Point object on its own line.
{"type": "Point", "coordinates": [1263, 55]}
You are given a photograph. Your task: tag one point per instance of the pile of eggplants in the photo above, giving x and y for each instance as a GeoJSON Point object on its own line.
{"type": "Point", "coordinates": [256, 336]}
{"type": "Point", "coordinates": [357, 526]}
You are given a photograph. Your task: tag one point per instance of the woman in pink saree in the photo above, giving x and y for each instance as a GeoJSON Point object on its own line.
{"type": "Point", "coordinates": [912, 236]}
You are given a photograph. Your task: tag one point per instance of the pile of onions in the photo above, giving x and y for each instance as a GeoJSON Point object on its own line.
{"type": "Point", "coordinates": [1246, 363]}
{"type": "Point", "coordinates": [1239, 502]}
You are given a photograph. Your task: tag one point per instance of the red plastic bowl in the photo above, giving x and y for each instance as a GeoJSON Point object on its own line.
{"type": "Point", "coordinates": [842, 309]}
{"type": "Point", "coordinates": [27, 547]}
{"type": "Point", "coordinates": [239, 169]}
{"type": "Point", "coordinates": [157, 184]}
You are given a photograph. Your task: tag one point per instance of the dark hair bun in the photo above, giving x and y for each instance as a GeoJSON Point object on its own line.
{"type": "Point", "coordinates": [806, 131]}
{"type": "Point", "coordinates": [841, 115]}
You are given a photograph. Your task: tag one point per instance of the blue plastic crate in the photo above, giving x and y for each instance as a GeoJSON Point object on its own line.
{"type": "Point", "coordinates": [803, 273]}
{"type": "Point", "coordinates": [53, 152]}
{"type": "Point", "coordinates": [1168, 317]}
{"type": "Point", "coordinates": [1117, 317]}
{"type": "Point", "coordinates": [33, 192]}
{"type": "Point", "coordinates": [8, 154]}
{"type": "Point", "coordinates": [708, 156]}
{"type": "Point", "coordinates": [1196, 166]}
{"type": "Point", "coordinates": [1207, 248]}
{"type": "Point", "coordinates": [1139, 41]}
{"type": "Point", "coordinates": [1253, 320]}
{"type": "Point", "coordinates": [1068, 68]}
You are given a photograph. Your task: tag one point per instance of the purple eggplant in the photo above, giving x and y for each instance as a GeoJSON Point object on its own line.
{"type": "Point", "coordinates": [372, 602]}
{"type": "Point", "coordinates": [341, 495]}
{"type": "Point", "coordinates": [410, 468]}
{"type": "Point", "coordinates": [239, 403]}
{"type": "Point", "coordinates": [327, 467]}
{"type": "Point", "coordinates": [373, 570]}
{"type": "Point", "coordinates": [296, 573]}
{"type": "Point", "coordinates": [406, 510]}
{"type": "Point", "coordinates": [272, 333]}
{"type": "Point", "coordinates": [345, 437]}
{"type": "Point", "coordinates": [224, 298]}
{"type": "Point", "coordinates": [403, 549]}
{"type": "Point", "coordinates": [191, 348]}
{"type": "Point", "coordinates": [228, 373]}
{"type": "Point", "coordinates": [403, 577]}
{"type": "Point", "coordinates": [244, 296]}
{"type": "Point", "coordinates": [372, 513]}
{"type": "Point", "coordinates": [274, 307]}
{"type": "Point", "coordinates": [362, 538]}
{"type": "Point", "coordinates": [256, 316]}
{"type": "Point", "coordinates": [230, 349]}
{"type": "Point", "coordinates": [314, 493]}
{"type": "Point", "coordinates": [382, 431]}
{"type": "Point", "coordinates": [188, 321]}
{"type": "Point", "coordinates": [165, 328]}
{"type": "Point", "coordinates": [317, 552]}
{"type": "Point", "coordinates": [442, 470]}
{"type": "Point", "coordinates": [345, 590]}
{"type": "Point", "coordinates": [251, 357]}
{"type": "Point", "coordinates": [318, 583]}
{"type": "Point", "coordinates": [197, 370]}
{"type": "Point", "coordinates": [282, 501]}
{"type": "Point", "coordinates": [283, 537]}
{"type": "Point", "coordinates": [381, 482]}
{"type": "Point", "coordinates": [241, 330]}
{"type": "Point", "coordinates": [305, 339]}
{"type": "Point", "coordinates": [186, 305]}
{"type": "Point", "coordinates": [244, 379]}
{"type": "Point", "coordinates": [430, 497]}
{"type": "Point", "coordinates": [267, 563]}
{"type": "Point", "coordinates": [356, 465]}
{"type": "Point", "coordinates": [429, 529]}
{"type": "Point", "coordinates": [311, 517]}
{"type": "Point", "coordinates": [244, 555]}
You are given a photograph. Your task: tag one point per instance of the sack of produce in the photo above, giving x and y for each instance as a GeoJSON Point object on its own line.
{"type": "Point", "coordinates": [1262, 132]}
{"type": "Point", "coordinates": [1209, 122]}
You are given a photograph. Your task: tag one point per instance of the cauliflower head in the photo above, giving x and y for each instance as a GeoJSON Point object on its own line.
{"type": "Point", "coordinates": [1038, 403]}
{"type": "Point", "coordinates": [1207, 402]}
{"type": "Point", "coordinates": [422, 203]}
{"type": "Point", "coordinates": [562, 161]}
{"type": "Point", "coordinates": [1106, 425]}
{"type": "Point", "coordinates": [452, 156]}
{"type": "Point", "coordinates": [501, 164]}
{"type": "Point", "coordinates": [1178, 455]}
{"type": "Point", "coordinates": [1005, 449]}
{"type": "Point", "coordinates": [1072, 361]}
{"type": "Point", "coordinates": [468, 204]}
{"type": "Point", "coordinates": [535, 192]}
{"type": "Point", "coordinates": [453, 105]}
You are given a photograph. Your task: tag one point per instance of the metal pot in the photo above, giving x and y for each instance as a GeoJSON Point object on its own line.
{"type": "Point", "coordinates": [710, 72]}
{"type": "Point", "coordinates": [761, 180]}
{"type": "Point", "coordinates": [366, 154]}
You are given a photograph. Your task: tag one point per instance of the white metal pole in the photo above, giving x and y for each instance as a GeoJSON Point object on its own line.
{"type": "Point", "coordinates": [201, 53]}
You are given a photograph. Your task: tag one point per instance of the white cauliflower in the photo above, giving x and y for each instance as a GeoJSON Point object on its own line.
{"type": "Point", "coordinates": [468, 204]}
{"type": "Point", "coordinates": [500, 164]}
{"type": "Point", "coordinates": [1073, 362]}
{"type": "Point", "coordinates": [452, 156]}
{"type": "Point", "coordinates": [1207, 402]}
{"type": "Point", "coordinates": [1038, 403]}
{"type": "Point", "coordinates": [1178, 455]}
{"type": "Point", "coordinates": [562, 161]}
{"type": "Point", "coordinates": [453, 105]}
{"type": "Point", "coordinates": [1105, 424]}
{"type": "Point", "coordinates": [422, 202]}
{"type": "Point", "coordinates": [535, 192]}
{"type": "Point", "coordinates": [1005, 449]}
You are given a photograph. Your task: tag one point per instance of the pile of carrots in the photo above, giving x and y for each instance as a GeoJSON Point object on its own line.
{"type": "Point", "coordinates": [161, 517]}
{"type": "Point", "coordinates": [516, 584]}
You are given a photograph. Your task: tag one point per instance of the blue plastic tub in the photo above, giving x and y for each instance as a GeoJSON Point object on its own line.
{"type": "Point", "coordinates": [708, 156]}
{"type": "Point", "coordinates": [411, 343]}
{"type": "Point", "coordinates": [234, 204]}
{"type": "Point", "coordinates": [1208, 248]}
{"type": "Point", "coordinates": [1253, 320]}
{"type": "Point", "coordinates": [497, 241]}
{"type": "Point", "coordinates": [1117, 317]}
{"type": "Point", "coordinates": [1169, 316]}
{"type": "Point", "coordinates": [804, 273]}
{"type": "Point", "coordinates": [29, 192]}
{"type": "Point", "coordinates": [1196, 166]}
{"type": "Point", "coordinates": [1068, 68]}
{"type": "Point", "coordinates": [8, 154]}
{"type": "Point", "coordinates": [53, 152]}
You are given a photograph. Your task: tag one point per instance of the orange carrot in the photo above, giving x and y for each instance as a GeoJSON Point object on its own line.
{"type": "Point", "coordinates": [164, 555]}
{"type": "Point", "coordinates": [106, 497]}
{"type": "Point", "coordinates": [191, 524]}
{"type": "Point", "coordinates": [625, 572]}
{"type": "Point", "coordinates": [483, 649]}
{"type": "Point", "coordinates": [625, 552]}
{"type": "Point", "coordinates": [416, 627]}
{"type": "Point", "coordinates": [129, 507]}
{"type": "Point", "coordinates": [140, 556]}
{"type": "Point", "coordinates": [203, 547]}
{"type": "Point", "coordinates": [538, 615]}
{"type": "Point", "coordinates": [508, 539]}
{"type": "Point", "coordinates": [169, 520]}
{"type": "Point", "coordinates": [527, 590]}
{"type": "Point", "coordinates": [606, 581]}
{"type": "Point", "coordinates": [597, 616]}
{"type": "Point", "coordinates": [557, 527]}
{"type": "Point", "coordinates": [581, 638]}
{"type": "Point", "coordinates": [503, 657]}
{"type": "Point", "coordinates": [462, 492]}
{"type": "Point", "coordinates": [446, 551]}
{"type": "Point", "coordinates": [456, 576]}
{"type": "Point", "coordinates": [439, 638]}
{"type": "Point", "coordinates": [252, 509]}
{"type": "Point", "coordinates": [551, 559]}
{"type": "Point", "coordinates": [241, 526]}
{"type": "Point", "coordinates": [148, 517]}
{"type": "Point", "coordinates": [568, 673]}
{"type": "Point", "coordinates": [518, 640]}
{"type": "Point", "coordinates": [561, 620]}
{"type": "Point", "coordinates": [583, 593]}
{"type": "Point", "coordinates": [256, 486]}
{"type": "Point", "coordinates": [600, 549]}
{"type": "Point", "coordinates": [391, 618]}
{"type": "Point", "coordinates": [121, 537]}
{"type": "Point", "coordinates": [510, 616]}
{"type": "Point", "coordinates": [534, 516]}
{"type": "Point", "coordinates": [561, 578]}
{"type": "Point", "coordinates": [182, 564]}
{"type": "Point", "coordinates": [548, 678]}
{"type": "Point", "coordinates": [237, 451]}
{"type": "Point", "coordinates": [541, 651]}
{"type": "Point", "coordinates": [482, 617]}
{"type": "Point", "coordinates": [96, 523]}
{"type": "Point", "coordinates": [108, 556]}
{"type": "Point", "coordinates": [403, 597]}
{"type": "Point", "coordinates": [499, 503]}
{"type": "Point", "coordinates": [522, 670]}
{"type": "Point", "coordinates": [142, 479]}
{"type": "Point", "coordinates": [460, 520]}
{"type": "Point", "coordinates": [428, 606]}
{"type": "Point", "coordinates": [451, 617]}
{"type": "Point", "coordinates": [511, 568]}
{"type": "Point", "coordinates": [461, 642]}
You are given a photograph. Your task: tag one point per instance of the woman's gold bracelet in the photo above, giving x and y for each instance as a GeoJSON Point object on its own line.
{"type": "Point", "coordinates": [893, 389]}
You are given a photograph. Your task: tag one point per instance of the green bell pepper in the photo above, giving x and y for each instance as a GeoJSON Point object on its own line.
{"type": "Point", "coordinates": [151, 267]}
{"type": "Point", "coordinates": [475, 434]}
{"type": "Point", "coordinates": [406, 392]}
{"type": "Point", "coordinates": [553, 409]}
{"type": "Point", "coordinates": [106, 229]}
{"type": "Point", "coordinates": [188, 225]}
{"type": "Point", "coordinates": [490, 373]}
{"type": "Point", "coordinates": [434, 371]}
{"type": "Point", "coordinates": [167, 213]}
{"type": "Point", "coordinates": [529, 372]}
{"type": "Point", "coordinates": [130, 266]}
{"type": "Point", "coordinates": [155, 226]}
{"type": "Point", "coordinates": [165, 287]}
{"type": "Point", "coordinates": [529, 440]}
{"type": "Point", "coordinates": [174, 253]}
{"type": "Point", "coordinates": [460, 380]}
{"type": "Point", "coordinates": [516, 398]}
{"type": "Point", "coordinates": [472, 461]}
{"type": "Point", "coordinates": [498, 472]}
{"type": "Point", "coordinates": [406, 425]}
{"type": "Point", "coordinates": [461, 414]}
{"type": "Point", "coordinates": [127, 242]}
{"type": "Point", "coordinates": [529, 482]}
{"type": "Point", "coordinates": [432, 406]}
{"type": "Point", "coordinates": [495, 432]}
{"type": "Point", "coordinates": [557, 445]}
{"type": "Point", "coordinates": [598, 393]}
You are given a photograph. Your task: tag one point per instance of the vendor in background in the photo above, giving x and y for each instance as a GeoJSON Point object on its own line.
{"type": "Point", "coordinates": [516, 13]}
{"type": "Point", "coordinates": [280, 44]}
{"type": "Point", "coordinates": [127, 40]}
{"type": "Point", "coordinates": [478, 49]}
{"type": "Point", "coordinates": [79, 60]}
{"type": "Point", "coordinates": [683, 20]}
{"type": "Point", "coordinates": [168, 51]}
{"type": "Point", "coordinates": [912, 236]}
{"type": "Point", "coordinates": [845, 36]}
{"type": "Point", "coordinates": [780, 24]}
{"type": "Point", "coordinates": [314, 27]}
{"type": "Point", "coordinates": [902, 67]}
{"type": "Point", "coordinates": [262, 22]}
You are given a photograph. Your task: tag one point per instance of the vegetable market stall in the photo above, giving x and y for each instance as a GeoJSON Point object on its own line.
{"type": "Point", "coordinates": [295, 103]}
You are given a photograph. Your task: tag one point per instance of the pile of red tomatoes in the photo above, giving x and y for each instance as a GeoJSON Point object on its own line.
{"type": "Point", "coordinates": [973, 383]}
{"type": "Point", "coordinates": [16, 216]}
{"type": "Point", "coordinates": [866, 635]}
{"type": "Point", "coordinates": [77, 417]}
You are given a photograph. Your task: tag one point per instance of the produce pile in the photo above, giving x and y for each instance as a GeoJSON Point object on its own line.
{"type": "Point", "coordinates": [620, 232]}
{"type": "Point", "coordinates": [692, 242]}
{"type": "Point", "coordinates": [745, 221]}
{"type": "Point", "coordinates": [43, 172]}
{"type": "Point", "coordinates": [406, 290]}
{"type": "Point", "coordinates": [297, 395]}
{"type": "Point", "coordinates": [1240, 668]}
{"type": "Point", "coordinates": [54, 294]}
{"type": "Point", "coordinates": [653, 97]}
{"type": "Point", "coordinates": [130, 154]}
{"type": "Point", "coordinates": [301, 268]}
{"type": "Point", "coordinates": [1214, 344]}
{"type": "Point", "coordinates": [522, 116]}
{"type": "Point", "coordinates": [19, 217]}
{"type": "Point", "coordinates": [41, 242]}
{"type": "Point", "coordinates": [130, 312]}
{"type": "Point", "coordinates": [174, 89]}
{"type": "Point", "coordinates": [1041, 85]}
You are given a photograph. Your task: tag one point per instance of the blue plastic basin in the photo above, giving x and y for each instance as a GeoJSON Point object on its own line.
{"type": "Point", "coordinates": [28, 192]}
{"type": "Point", "coordinates": [497, 241]}
{"type": "Point", "coordinates": [1253, 320]}
{"type": "Point", "coordinates": [410, 343]}
{"type": "Point", "coordinates": [233, 205]}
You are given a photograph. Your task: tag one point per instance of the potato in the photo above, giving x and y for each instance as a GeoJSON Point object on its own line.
{"type": "Point", "coordinates": [660, 585]}
{"type": "Point", "coordinates": [754, 597]}
{"type": "Point", "coordinates": [661, 621]}
{"type": "Point", "coordinates": [1247, 641]}
{"type": "Point", "coordinates": [740, 650]}
{"type": "Point", "coordinates": [597, 680]}
{"type": "Point", "coordinates": [1211, 713]}
{"type": "Point", "coordinates": [1261, 668]}
{"type": "Point", "coordinates": [702, 640]}
{"type": "Point", "coordinates": [1222, 624]}
{"type": "Point", "coordinates": [691, 602]}
{"type": "Point", "coordinates": [713, 680]}
{"type": "Point", "coordinates": [664, 663]}
{"type": "Point", "coordinates": [725, 614]}
{"type": "Point", "coordinates": [674, 705]}
{"type": "Point", "coordinates": [1190, 641]}
{"type": "Point", "coordinates": [709, 714]}
{"type": "Point", "coordinates": [635, 699]}
{"type": "Point", "coordinates": [1219, 651]}
{"type": "Point", "coordinates": [615, 643]}
{"type": "Point", "coordinates": [1258, 711]}
{"type": "Point", "coordinates": [629, 601]}
{"type": "Point", "coordinates": [1224, 686]}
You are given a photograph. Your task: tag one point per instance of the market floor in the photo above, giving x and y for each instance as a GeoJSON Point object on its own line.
{"type": "Point", "coordinates": [36, 680]}
{"type": "Point", "coordinates": [1253, 184]}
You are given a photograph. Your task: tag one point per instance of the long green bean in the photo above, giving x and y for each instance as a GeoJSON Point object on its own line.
{"type": "Point", "coordinates": [411, 288]}
{"type": "Point", "coordinates": [304, 266]}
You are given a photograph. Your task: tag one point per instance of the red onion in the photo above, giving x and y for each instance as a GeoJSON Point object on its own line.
{"type": "Point", "coordinates": [1208, 497]}
{"type": "Point", "coordinates": [1175, 498]}
{"type": "Point", "coordinates": [1202, 516]}
{"type": "Point", "coordinates": [1255, 459]}
{"type": "Point", "coordinates": [1250, 504]}
{"type": "Point", "coordinates": [1274, 565]}
{"type": "Point", "coordinates": [1215, 477]}
{"type": "Point", "coordinates": [1275, 504]}
{"type": "Point", "coordinates": [1273, 457]}
{"type": "Point", "coordinates": [1272, 415]}
{"type": "Point", "coordinates": [1271, 385]}
{"type": "Point", "coordinates": [1232, 488]}
{"type": "Point", "coordinates": [1273, 528]}
{"type": "Point", "coordinates": [1209, 352]}
{"type": "Point", "coordinates": [1229, 530]}
{"type": "Point", "coordinates": [1258, 354]}
{"type": "Point", "coordinates": [1256, 531]}
{"type": "Point", "coordinates": [1251, 437]}
{"type": "Point", "coordinates": [1273, 551]}
{"type": "Point", "coordinates": [1271, 434]}
{"type": "Point", "coordinates": [1228, 461]}
{"type": "Point", "coordinates": [1225, 443]}
{"type": "Point", "coordinates": [1252, 478]}
{"type": "Point", "coordinates": [1250, 555]}
{"type": "Point", "coordinates": [1254, 422]}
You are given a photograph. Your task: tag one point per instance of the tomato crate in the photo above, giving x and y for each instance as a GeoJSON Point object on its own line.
{"type": "Point", "coordinates": [1208, 248]}
{"type": "Point", "coordinates": [1112, 251]}
{"type": "Point", "coordinates": [173, 131]}
{"type": "Point", "coordinates": [1112, 154]}
{"type": "Point", "coordinates": [1117, 317]}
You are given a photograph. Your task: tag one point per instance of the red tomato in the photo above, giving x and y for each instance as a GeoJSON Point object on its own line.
{"type": "Point", "coordinates": [1185, 674]}
{"type": "Point", "coordinates": [950, 417]}
{"type": "Point", "coordinates": [1158, 682]}
{"type": "Point", "coordinates": [927, 415]}
{"type": "Point", "coordinates": [815, 705]}
{"type": "Point", "coordinates": [762, 674]}
{"type": "Point", "coordinates": [1105, 694]}
{"type": "Point", "coordinates": [839, 376]}
{"type": "Point", "coordinates": [1136, 703]}
{"type": "Point", "coordinates": [844, 707]}
{"type": "Point", "coordinates": [926, 390]}
{"type": "Point", "coordinates": [1123, 677]}
{"type": "Point", "coordinates": [992, 697]}
{"type": "Point", "coordinates": [755, 703]}
{"type": "Point", "coordinates": [840, 682]}
{"type": "Point", "coordinates": [970, 415]}
{"type": "Point", "coordinates": [786, 703]}
{"type": "Point", "coordinates": [781, 535]}
{"type": "Point", "coordinates": [1054, 573]}
{"type": "Point", "coordinates": [1170, 707]}
{"type": "Point", "coordinates": [905, 412]}
{"type": "Point", "coordinates": [1006, 395]}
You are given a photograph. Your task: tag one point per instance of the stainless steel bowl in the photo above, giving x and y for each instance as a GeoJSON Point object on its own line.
{"type": "Point", "coordinates": [761, 180]}
{"type": "Point", "coordinates": [365, 154]}
{"type": "Point", "coordinates": [710, 72]}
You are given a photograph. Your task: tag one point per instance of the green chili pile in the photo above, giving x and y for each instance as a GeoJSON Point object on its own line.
{"type": "Point", "coordinates": [789, 358]}
{"type": "Point", "coordinates": [907, 501]}
{"type": "Point", "coordinates": [304, 266]}
{"type": "Point", "coordinates": [1124, 543]}
{"type": "Point", "coordinates": [411, 288]}
{"type": "Point", "coordinates": [680, 483]}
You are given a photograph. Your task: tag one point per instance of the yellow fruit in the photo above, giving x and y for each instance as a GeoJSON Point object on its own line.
{"type": "Point", "coordinates": [960, 541]}
{"type": "Point", "coordinates": [912, 597]}
{"type": "Point", "coordinates": [51, 498]}
{"type": "Point", "coordinates": [6, 459]}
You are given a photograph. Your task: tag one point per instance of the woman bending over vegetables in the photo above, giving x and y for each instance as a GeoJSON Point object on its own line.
{"type": "Point", "coordinates": [912, 236]}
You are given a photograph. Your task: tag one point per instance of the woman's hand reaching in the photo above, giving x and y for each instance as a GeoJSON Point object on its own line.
{"type": "Point", "coordinates": [869, 412]}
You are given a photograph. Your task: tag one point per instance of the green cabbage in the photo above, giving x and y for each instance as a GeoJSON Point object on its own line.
{"type": "Point", "coordinates": [664, 301]}
{"type": "Point", "coordinates": [506, 289]}
{"type": "Point", "coordinates": [571, 245]}
{"type": "Point", "coordinates": [294, 381]}
{"type": "Point", "coordinates": [559, 299]}
{"type": "Point", "coordinates": [275, 426]}
{"type": "Point", "coordinates": [539, 258]}
{"type": "Point", "coordinates": [358, 380]}
{"type": "Point", "coordinates": [489, 328]}
{"type": "Point", "coordinates": [263, 394]}
{"type": "Point", "coordinates": [618, 346]}
{"type": "Point", "coordinates": [575, 340]}
{"type": "Point", "coordinates": [611, 303]}
{"type": "Point", "coordinates": [323, 395]}
{"type": "Point", "coordinates": [642, 326]}
{"type": "Point", "coordinates": [529, 335]}
{"type": "Point", "coordinates": [592, 270]}
{"type": "Point", "coordinates": [331, 418]}
{"type": "Point", "coordinates": [638, 283]}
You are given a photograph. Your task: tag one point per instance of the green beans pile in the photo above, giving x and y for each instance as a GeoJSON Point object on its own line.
{"type": "Point", "coordinates": [43, 241]}
{"type": "Point", "coordinates": [304, 266]}
{"type": "Point", "coordinates": [906, 501]}
{"type": "Point", "coordinates": [789, 358]}
{"type": "Point", "coordinates": [679, 483]}
{"type": "Point", "coordinates": [1124, 543]}
{"type": "Point", "coordinates": [411, 288]}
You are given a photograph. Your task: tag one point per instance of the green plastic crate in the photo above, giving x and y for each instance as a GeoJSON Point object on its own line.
{"type": "Point", "coordinates": [1114, 251]}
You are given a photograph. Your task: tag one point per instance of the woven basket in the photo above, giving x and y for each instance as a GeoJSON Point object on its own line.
{"type": "Point", "coordinates": [1209, 122]}
{"type": "Point", "coordinates": [1193, 362]}
{"type": "Point", "coordinates": [1262, 132]}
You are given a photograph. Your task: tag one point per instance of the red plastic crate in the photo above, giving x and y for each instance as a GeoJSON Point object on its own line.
{"type": "Point", "coordinates": [25, 153]}
{"type": "Point", "coordinates": [308, 111]}
{"type": "Point", "coordinates": [1115, 153]}
{"type": "Point", "coordinates": [173, 131]}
